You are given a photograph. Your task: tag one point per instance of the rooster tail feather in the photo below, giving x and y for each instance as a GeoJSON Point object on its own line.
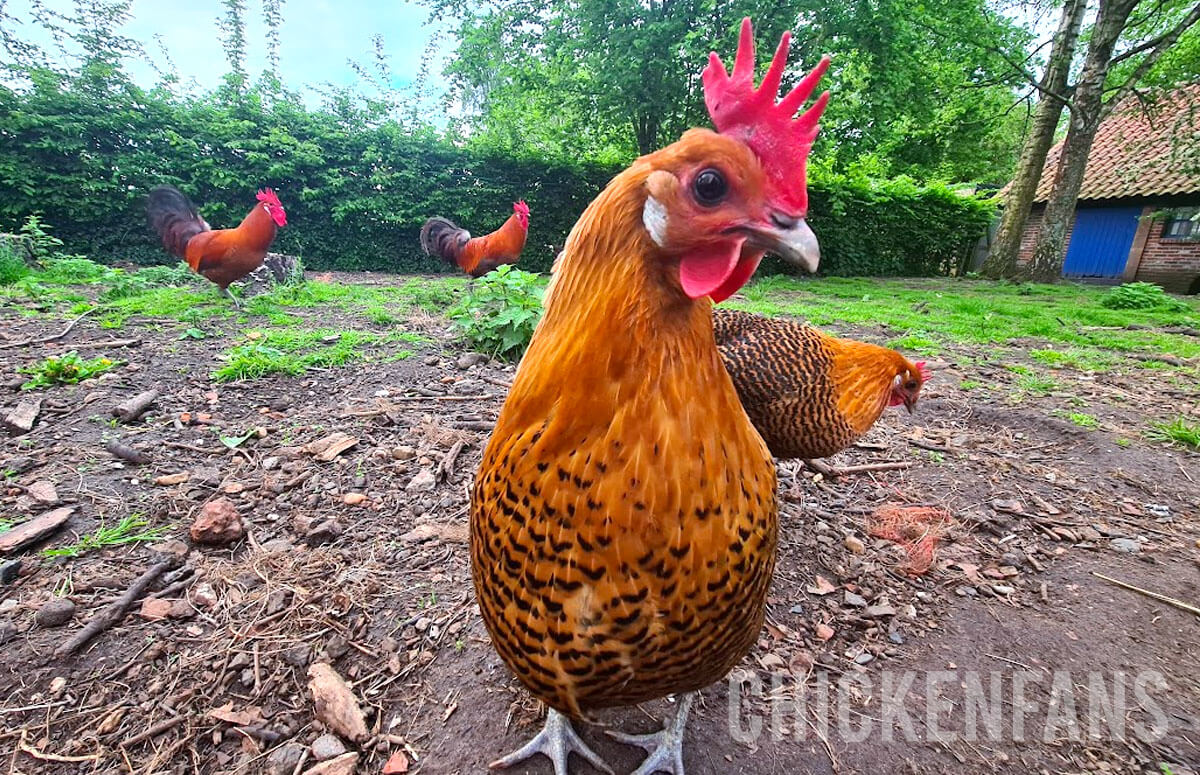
{"type": "Point", "coordinates": [440, 237]}
{"type": "Point", "coordinates": [173, 218]}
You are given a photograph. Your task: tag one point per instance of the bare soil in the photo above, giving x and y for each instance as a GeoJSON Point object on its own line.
{"type": "Point", "coordinates": [379, 586]}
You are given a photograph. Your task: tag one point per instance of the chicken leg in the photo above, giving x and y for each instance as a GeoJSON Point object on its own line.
{"type": "Point", "coordinates": [237, 304]}
{"type": "Point", "coordinates": [556, 741]}
{"type": "Point", "coordinates": [666, 745]}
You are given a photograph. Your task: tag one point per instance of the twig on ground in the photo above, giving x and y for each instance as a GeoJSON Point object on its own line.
{"type": "Point", "coordinates": [926, 445]}
{"type": "Point", "coordinates": [128, 454]}
{"type": "Point", "coordinates": [52, 338]}
{"type": "Point", "coordinates": [133, 408]}
{"type": "Point", "coordinates": [116, 610]}
{"type": "Point", "coordinates": [495, 381]}
{"type": "Point", "coordinates": [157, 729]}
{"type": "Point", "coordinates": [108, 343]}
{"type": "Point", "coordinates": [445, 468]}
{"type": "Point", "coordinates": [1182, 606]}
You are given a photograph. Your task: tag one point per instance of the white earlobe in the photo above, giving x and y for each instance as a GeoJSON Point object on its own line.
{"type": "Point", "coordinates": [654, 216]}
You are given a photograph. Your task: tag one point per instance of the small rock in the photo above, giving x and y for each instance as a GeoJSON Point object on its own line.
{"type": "Point", "coordinates": [170, 480]}
{"type": "Point", "coordinates": [854, 601]}
{"type": "Point", "coordinates": [172, 546]}
{"type": "Point", "coordinates": [335, 704]}
{"type": "Point", "coordinates": [55, 613]}
{"type": "Point", "coordinates": [1012, 558]}
{"type": "Point", "coordinates": [34, 530]}
{"type": "Point", "coordinates": [270, 463]}
{"type": "Point", "coordinates": [854, 544]}
{"type": "Point", "coordinates": [9, 571]}
{"type": "Point", "coordinates": [864, 658]}
{"type": "Point", "coordinates": [181, 609]}
{"type": "Point", "coordinates": [43, 493]}
{"type": "Point", "coordinates": [8, 605]}
{"type": "Point", "coordinates": [432, 360]}
{"type": "Point", "coordinates": [327, 746]}
{"type": "Point", "coordinates": [354, 498]}
{"type": "Point", "coordinates": [403, 453]}
{"type": "Point", "coordinates": [424, 481]}
{"type": "Point", "coordinates": [1008, 505]}
{"type": "Point", "coordinates": [155, 609]}
{"type": "Point", "coordinates": [397, 764]}
{"type": "Point", "coordinates": [422, 624]}
{"type": "Point", "coordinates": [8, 631]}
{"type": "Point", "coordinates": [467, 360]}
{"type": "Point", "coordinates": [342, 765]}
{"type": "Point", "coordinates": [336, 646]}
{"type": "Point", "coordinates": [218, 523]}
{"type": "Point", "coordinates": [896, 637]}
{"type": "Point", "coordinates": [278, 546]}
{"type": "Point", "coordinates": [323, 533]}
{"type": "Point", "coordinates": [283, 760]}
{"type": "Point", "coordinates": [1126, 545]}
{"type": "Point", "coordinates": [880, 611]}
{"type": "Point", "coordinates": [1003, 589]}
{"type": "Point", "coordinates": [204, 595]}
{"type": "Point", "coordinates": [296, 656]}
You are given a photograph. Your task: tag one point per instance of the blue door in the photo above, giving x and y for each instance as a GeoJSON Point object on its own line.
{"type": "Point", "coordinates": [1101, 240]}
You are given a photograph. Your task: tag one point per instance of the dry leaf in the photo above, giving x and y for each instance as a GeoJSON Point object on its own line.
{"type": "Point", "coordinates": [821, 586]}
{"type": "Point", "coordinates": [397, 764]}
{"type": "Point", "coordinates": [251, 716]}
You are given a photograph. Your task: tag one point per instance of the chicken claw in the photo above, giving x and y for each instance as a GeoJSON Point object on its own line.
{"type": "Point", "coordinates": [665, 746]}
{"type": "Point", "coordinates": [556, 741]}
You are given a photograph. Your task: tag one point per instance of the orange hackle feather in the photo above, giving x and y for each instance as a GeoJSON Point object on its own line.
{"type": "Point", "coordinates": [809, 394]}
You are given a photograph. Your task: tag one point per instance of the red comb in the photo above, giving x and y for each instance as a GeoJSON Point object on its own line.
{"type": "Point", "coordinates": [268, 196]}
{"type": "Point", "coordinates": [922, 368]}
{"type": "Point", "coordinates": [739, 110]}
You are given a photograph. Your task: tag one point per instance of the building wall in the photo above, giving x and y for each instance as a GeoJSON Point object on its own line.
{"type": "Point", "coordinates": [1173, 264]}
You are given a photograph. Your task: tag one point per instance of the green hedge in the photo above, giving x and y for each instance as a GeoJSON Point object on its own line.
{"type": "Point", "coordinates": [83, 149]}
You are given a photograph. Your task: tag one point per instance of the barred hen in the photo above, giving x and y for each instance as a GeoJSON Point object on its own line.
{"type": "Point", "coordinates": [810, 394]}
{"type": "Point", "coordinates": [623, 518]}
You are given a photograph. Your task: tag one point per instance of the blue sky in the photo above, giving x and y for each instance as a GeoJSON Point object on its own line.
{"type": "Point", "coordinates": [316, 38]}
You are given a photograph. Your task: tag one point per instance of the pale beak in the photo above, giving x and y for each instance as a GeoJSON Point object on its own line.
{"type": "Point", "coordinates": [910, 402]}
{"type": "Point", "coordinates": [791, 239]}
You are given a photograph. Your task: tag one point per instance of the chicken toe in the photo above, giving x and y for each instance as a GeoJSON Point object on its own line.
{"type": "Point", "coordinates": [665, 746]}
{"type": "Point", "coordinates": [556, 741]}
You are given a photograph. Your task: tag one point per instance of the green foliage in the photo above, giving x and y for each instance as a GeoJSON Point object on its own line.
{"type": "Point", "coordinates": [12, 266]}
{"type": "Point", "coordinates": [67, 369]}
{"type": "Point", "coordinates": [292, 351]}
{"type": "Point", "coordinates": [42, 243]}
{"type": "Point", "coordinates": [84, 145]}
{"type": "Point", "coordinates": [1082, 419]}
{"type": "Point", "coordinates": [72, 270]}
{"type": "Point", "coordinates": [500, 311]}
{"type": "Point", "coordinates": [1178, 431]}
{"type": "Point", "coordinates": [124, 286]}
{"type": "Point", "coordinates": [128, 531]}
{"type": "Point", "coordinates": [1142, 296]}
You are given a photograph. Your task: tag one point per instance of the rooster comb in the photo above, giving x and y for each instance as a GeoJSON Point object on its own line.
{"type": "Point", "coordinates": [520, 207]}
{"type": "Point", "coordinates": [268, 196]}
{"type": "Point", "coordinates": [780, 141]}
{"type": "Point", "coordinates": [921, 367]}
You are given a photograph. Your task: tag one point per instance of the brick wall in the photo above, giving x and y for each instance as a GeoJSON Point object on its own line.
{"type": "Point", "coordinates": [1174, 264]}
{"type": "Point", "coordinates": [1033, 228]}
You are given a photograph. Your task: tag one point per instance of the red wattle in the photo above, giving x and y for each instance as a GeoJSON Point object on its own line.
{"type": "Point", "coordinates": [705, 272]}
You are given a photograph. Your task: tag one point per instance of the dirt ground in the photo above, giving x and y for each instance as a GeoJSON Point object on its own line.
{"type": "Point", "coordinates": [358, 559]}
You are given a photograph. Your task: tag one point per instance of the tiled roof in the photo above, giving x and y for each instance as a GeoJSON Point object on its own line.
{"type": "Point", "coordinates": [1150, 149]}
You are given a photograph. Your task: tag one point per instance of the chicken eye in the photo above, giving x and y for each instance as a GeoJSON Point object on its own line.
{"type": "Point", "coordinates": [911, 385]}
{"type": "Point", "coordinates": [710, 187]}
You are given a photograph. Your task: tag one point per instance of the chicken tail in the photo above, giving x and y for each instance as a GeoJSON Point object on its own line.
{"type": "Point", "coordinates": [440, 237]}
{"type": "Point", "coordinates": [174, 218]}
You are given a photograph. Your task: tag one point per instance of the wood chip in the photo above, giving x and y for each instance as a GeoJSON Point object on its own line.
{"type": "Point", "coordinates": [453, 533]}
{"type": "Point", "coordinates": [34, 530]}
{"type": "Point", "coordinates": [331, 446]}
{"type": "Point", "coordinates": [170, 480]}
{"type": "Point", "coordinates": [334, 703]}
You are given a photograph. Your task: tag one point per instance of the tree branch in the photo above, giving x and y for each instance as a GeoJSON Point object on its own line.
{"type": "Point", "coordinates": [1157, 47]}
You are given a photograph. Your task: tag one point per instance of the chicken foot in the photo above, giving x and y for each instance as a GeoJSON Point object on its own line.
{"type": "Point", "coordinates": [556, 741]}
{"type": "Point", "coordinates": [666, 745]}
{"type": "Point", "coordinates": [232, 298]}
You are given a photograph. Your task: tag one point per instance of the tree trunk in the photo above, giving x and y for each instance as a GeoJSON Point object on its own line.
{"type": "Point", "coordinates": [1002, 258]}
{"type": "Point", "coordinates": [1087, 111]}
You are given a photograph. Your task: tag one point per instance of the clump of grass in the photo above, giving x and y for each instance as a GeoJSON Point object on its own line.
{"type": "Point", "coordinates": [1074, 358]}
{"type": "Point", "coordinates": [67, 369]}
{"type": "Point", "coordinates": [6, 525]}
{"type": "Point", "coordinates": [128, 531]}
{"type": "Point", "coordinates": [124, 285]}
{"type": "Point", "coordinates": [74, 270]}
{"type": "Point", "coordinates": [1081, 419]}
{"type": "Point", "coordinates": [969, 384]}
{"type": "Point", "coordinates": [291, 352]}
{"type": "Point", "coordinates": [1178, 431]}
{"type": "Point", "coordinates": [916, 343]}
{"type": "Point", "coordinates": [12, 266]}
{"type": "Point", "coordinates": [1036, 384]}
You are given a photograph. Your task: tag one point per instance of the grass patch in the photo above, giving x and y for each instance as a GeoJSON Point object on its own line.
{"type": "Point", "coordinates": [1080, 419]}
{"type": "Point", "coordinates": [1080, 359]}
{"type": "Point", "coordinates": [916, 343]}
{"type": "Point", "coordinates": [1036, 384]}
{"type": "Point", "coordinates": [291, 351]}
{"type": "Point", "coordinates": [67, 369]}
{"type": "Point", "coordinates": [969, 384]}
{"type": "Point", "coordinates": [1178, 431]}
{"type": "Point", "coordinates": [976, 312]}
{"type": "Point", "coordinates": [12, 266]}
{"type": "Point", "coordinates": [128, 531]}
{"type": "Point", "coordinates": [72, 270]}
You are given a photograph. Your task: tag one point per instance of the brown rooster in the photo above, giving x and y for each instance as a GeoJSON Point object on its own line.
{"type": "Point", "coordinates": [223, 256]}
{"type": "Point", "coordinates": [623, 518]}
{"type": "Point", "coordinates": [810, 394]}
{"type": "Point", "coordinates": [477, 255]}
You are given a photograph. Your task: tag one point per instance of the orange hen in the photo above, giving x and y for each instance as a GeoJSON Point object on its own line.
{"type": "Point", "coordinates": [623, 519]}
